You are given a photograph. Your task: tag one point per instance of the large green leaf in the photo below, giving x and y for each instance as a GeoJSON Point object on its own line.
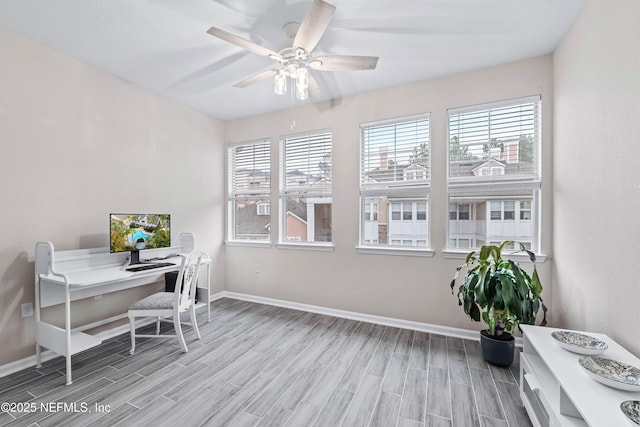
{"type": "Point", "coordinates": [508, 293]}
{"type": "Point", "coordinates": [470, 257]}
{"type": "Point", "coordinates": [485, 252]}
{"type": "Point", "coordinates": [474, 313]}
{"type": "Point", "coordinates": [481, 297]}
{"type": "Point", "coordinates": [536, 286]}
{"type": "Point", "coordinates": [504, 244]}
{"type": "Point", "coordinates": [521, 279]}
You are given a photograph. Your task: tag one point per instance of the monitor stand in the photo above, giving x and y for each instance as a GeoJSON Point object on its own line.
{"type": "Point", "coordinates": [135, 257]}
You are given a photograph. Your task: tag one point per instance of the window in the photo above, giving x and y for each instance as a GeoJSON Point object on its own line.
{"type": "Point", "coordinates": [249, 191]}
{"type": "Point", "coordinates": [459, 211]}
{"type": "Point", "coordinates": [421, 211]}
{"type": "Point", "coordinates": [395, 177]}
{"type": "Point", "coordinates": [407, 211]}
{"type": "Point", "coordinates": [371, 211]}
{"type": "Point", "coordinates": [509, 213]}
{"type": "Point", "coordinates": [494, 173]}
{"type": "Point", "coordinates": [525, 211]}
{"type": "Point", "coordinates": [264, 209]}
{"type": "Point", "coordinates": [396, 208]}
{"type": "Point", "coordinates": [305, 188]}
{"type": "Point", "coordinates": [496, 211]}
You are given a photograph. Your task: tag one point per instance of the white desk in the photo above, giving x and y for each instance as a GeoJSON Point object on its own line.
{"type": "Point", "coordinates": [65, 276]}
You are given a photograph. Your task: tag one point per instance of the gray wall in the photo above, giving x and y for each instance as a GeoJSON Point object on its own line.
{"type": "Point", "coordinates": [77, 143]}
{"type": "Point", "coordinates": [596, 187]}
{"type": "Point", "coordinates": [409, 288]}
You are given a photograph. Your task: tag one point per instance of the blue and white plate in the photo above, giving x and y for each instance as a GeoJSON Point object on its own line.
{"type": "Point", "coordinates": [631, 408]}
{"type": "Point", "coordinates": [612, 373]}
{"type": "Point", "coordinates": [579, 343]}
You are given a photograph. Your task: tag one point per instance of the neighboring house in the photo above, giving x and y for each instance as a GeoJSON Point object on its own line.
{"type": "Point", "coordinates": [296, 228]}
{"type": "Point", "coordinates": [396, 220]}
{"type": "Point", "coordinates": [473, 223]}
{"type": "Point", "coordinates": [252, 222]}
{"type": "Point", "coordinates": [403, 221]}
{"type": "Point", "coordinates": [252, 214]}
{"type": "Point", "coordinates": [307, 219]}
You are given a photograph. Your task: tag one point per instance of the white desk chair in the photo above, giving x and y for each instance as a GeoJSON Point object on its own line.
{"type": "Point", "coordinates": [171, 304]}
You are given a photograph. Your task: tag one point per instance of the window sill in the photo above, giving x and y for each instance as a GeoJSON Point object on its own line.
{"type": "Point", "coordinates": [395, 251]}
{"type": "Point", "coordinates": [306, 246]}
{"type": "Point", "coordinates": [455, 254]}
{"type": "Point", "coordinates": [249, 243]}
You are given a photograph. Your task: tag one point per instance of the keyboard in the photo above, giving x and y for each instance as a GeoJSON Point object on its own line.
{"type": "Point", "coordinates": [142, 267]}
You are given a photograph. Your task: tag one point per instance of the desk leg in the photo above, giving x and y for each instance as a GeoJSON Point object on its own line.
{"type": "Point", "coordinates": [38, 356]}
{"type": "Point", "coordinates": [209, 292]}
{"type": "Point", "coordinates": [67, 324]}
{"type": "Point", "coordinates": [38, 350]}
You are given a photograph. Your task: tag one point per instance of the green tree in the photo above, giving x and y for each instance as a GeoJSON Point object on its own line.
{"type": "Point", "coordinates": [525, 148]}
{"type": "Point", "coordinates": [458, 152]}
{"type": "Point", "coordinates": [160, 238]}
{"type": "Point", "coordinates": [118, 236]}
{"type": "Point", "coordinates": [325, 166]}
{"type": "Point", "coordinates": [420, 155]}
{"type": "Point", "coordinates": [494, 143]}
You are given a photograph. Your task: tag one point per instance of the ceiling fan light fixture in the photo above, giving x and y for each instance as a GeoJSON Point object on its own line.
{"type": "Point", "coordinates": [280, 83]}
{"type": "Point", "coordinates": [302, 92]}
{"type": "Point", "coordinates": [302, 77]}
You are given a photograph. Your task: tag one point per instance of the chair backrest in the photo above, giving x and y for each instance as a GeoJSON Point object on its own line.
{"type": "Point", "coordinates": [185, 290]}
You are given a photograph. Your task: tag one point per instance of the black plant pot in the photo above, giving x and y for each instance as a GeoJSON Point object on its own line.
{"type": "Point", "coordinates": [497, 350]}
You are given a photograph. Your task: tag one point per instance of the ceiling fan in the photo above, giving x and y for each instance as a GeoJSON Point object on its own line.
{"type": "Point", "coordinates": [295, 60]}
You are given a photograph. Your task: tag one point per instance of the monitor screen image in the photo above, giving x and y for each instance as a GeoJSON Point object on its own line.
{"type": "Point", "coordinates": [134, 232]}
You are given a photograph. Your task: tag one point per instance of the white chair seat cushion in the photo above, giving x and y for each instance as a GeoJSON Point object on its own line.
{"type": "Point", "coordinates": [157, 301]}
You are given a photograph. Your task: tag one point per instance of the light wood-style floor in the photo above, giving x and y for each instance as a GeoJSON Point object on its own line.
{"type": "Point", "coordinates": [263, 365]}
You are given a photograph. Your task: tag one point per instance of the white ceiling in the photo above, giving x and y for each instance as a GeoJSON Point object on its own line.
{"type": "Point", "coordinates": [162, 45]}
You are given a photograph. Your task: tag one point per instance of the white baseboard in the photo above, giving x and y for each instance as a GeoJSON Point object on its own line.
{"type": "Point", "coordinates": [370, 318]}
{"type": "Point", "coordinates": [217, 296]}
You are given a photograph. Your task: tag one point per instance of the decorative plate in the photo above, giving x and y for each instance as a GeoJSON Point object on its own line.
{"type": "Point", "coordinates": [579, 343]}
{"type": "Point", "coordinates": [612, 373]}
{"type": "Point", "coordinates": [631, 408]}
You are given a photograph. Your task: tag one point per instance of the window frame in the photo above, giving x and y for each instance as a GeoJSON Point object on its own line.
{"type": "Point", "coordinates": [252, 193]}
{"type": "Point", "coordinates": [285, 192]}
{"type": "Point", "coordinates": [503, 187]}
{"type": "Point", "coordinates": [413, 188]}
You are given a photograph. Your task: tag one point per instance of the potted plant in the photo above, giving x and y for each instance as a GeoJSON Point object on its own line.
{"type": "Point", "coordinates": [502, 294]}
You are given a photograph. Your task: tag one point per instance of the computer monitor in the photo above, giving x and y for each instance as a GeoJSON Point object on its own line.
{"type": "Point", "coordinates": [135, 232]}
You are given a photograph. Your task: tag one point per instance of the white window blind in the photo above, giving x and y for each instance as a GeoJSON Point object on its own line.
{"type": "Point", "coordinates": [305, 188]}
{"type": "Point", "coordinates": [249, 190]}
{"type": "Point", "coordinates": [494, 168]}
{"type": "Point", "coordinates": [306, 163]}
{"type": "Point", "coordinates": [395, 175]}
{"type": "Point", "coordinates": [249, 171]}
{"type": "Point", "coordinates": [395, 152]}
{"type": "Point", "coordinates": [499, 139]}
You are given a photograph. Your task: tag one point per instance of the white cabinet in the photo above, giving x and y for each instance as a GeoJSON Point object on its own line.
{"type": "Point", "coordinates": [557, 391]}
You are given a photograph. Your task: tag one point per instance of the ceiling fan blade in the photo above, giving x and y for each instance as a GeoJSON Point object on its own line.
{"type": "Point", "coordinates": [260, 76]}
{"type": "Point", "coordinates": [244, 43]}
{"type": "Point", "coordinates": [313, 26]}
{"type": "Point", "coordinates": [343, 63]}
